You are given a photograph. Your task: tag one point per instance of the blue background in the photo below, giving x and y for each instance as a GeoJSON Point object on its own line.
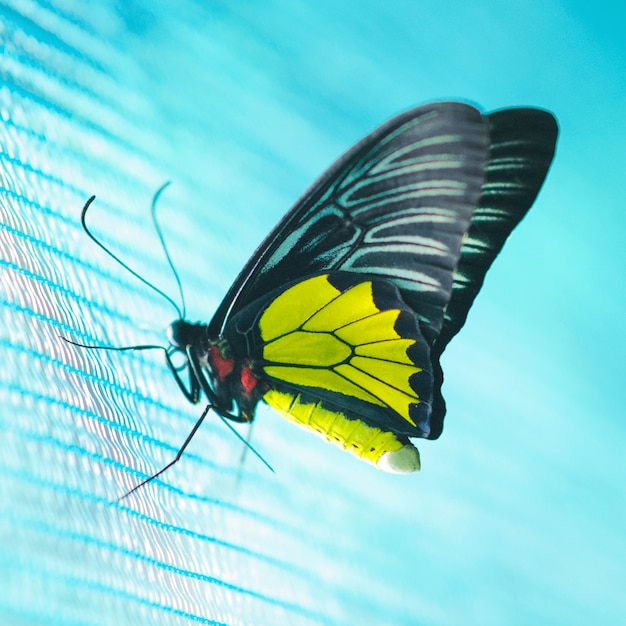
{"type": "Point", "coordinates": [518, 514]}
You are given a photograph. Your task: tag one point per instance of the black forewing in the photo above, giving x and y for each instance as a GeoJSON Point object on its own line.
{"type": "Point", "coordinates": [396, 205]}
{"type": "Point", "coordinates": [521, 151]}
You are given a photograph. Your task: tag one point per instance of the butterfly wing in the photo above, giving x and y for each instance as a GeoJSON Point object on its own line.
{"type": "Point", "coordinates": [522, 144]}
{"type": "Point", "coordinates": [349, 341]}
{"type": "Point", "coordinates": [344, 357]}
{"type": "Point", "coordinates": [396, 205]}
{"type": "Point", "coordinates": [425, 203]}
{"type": "Point", "coordinates": [521, 148]}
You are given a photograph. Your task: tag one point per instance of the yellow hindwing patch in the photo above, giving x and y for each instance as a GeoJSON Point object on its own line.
{"type": "Point", "coordinates": [292, 308]}
{"type": "Point", "coordinates": [318, 336]}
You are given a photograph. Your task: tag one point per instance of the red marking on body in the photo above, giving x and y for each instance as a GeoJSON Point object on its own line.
{"type": "Point", "coordinates": [248, 380]}
{"type": "Point", "coordinates": [222, 367]}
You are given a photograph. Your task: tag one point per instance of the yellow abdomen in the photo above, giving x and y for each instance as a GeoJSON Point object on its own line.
{"type": "Point", "coordinates": [379, 447]}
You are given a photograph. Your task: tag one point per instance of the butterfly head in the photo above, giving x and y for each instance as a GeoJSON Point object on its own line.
{"type": "Point", "coordinates": [193, 341]}
{"type": "Point", "coordinates": [182, 333]}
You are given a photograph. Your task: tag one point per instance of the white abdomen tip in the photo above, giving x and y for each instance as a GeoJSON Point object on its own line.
{"type": "Point", "coordinates": [402, 461]}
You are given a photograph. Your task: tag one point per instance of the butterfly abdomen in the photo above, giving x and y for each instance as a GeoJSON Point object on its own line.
{"type": "Point", "coordinates": [382, 448]}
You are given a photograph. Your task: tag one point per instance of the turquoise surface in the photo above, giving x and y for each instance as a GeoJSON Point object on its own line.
{"type": "Point", "coordinates": [518, 514]}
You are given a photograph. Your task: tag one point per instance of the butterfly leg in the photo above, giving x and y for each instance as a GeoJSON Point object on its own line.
{"type": "Point", "coordinates": [176, 458]}
{"type": "Point", "coordinates": [223, 415]}
{"type": "Point", "coordinates": [193, 392]}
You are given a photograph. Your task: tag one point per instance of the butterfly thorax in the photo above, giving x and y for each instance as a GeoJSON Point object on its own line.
{"type": "Point", "coordinates": [229, 380]}
{"type": "Point", "coordinates": [235, 380]}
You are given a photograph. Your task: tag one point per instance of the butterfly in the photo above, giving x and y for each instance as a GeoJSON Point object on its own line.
{"type": "Point", "coordinates": [339, 319]}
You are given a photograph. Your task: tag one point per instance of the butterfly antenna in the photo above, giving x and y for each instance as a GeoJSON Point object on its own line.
{"type": "Point", "coordinates": [114, 348]}
{"type": "Point", "coordinates": [157, 227]}
{"type": "Point", "coordinates": [116, 258]}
